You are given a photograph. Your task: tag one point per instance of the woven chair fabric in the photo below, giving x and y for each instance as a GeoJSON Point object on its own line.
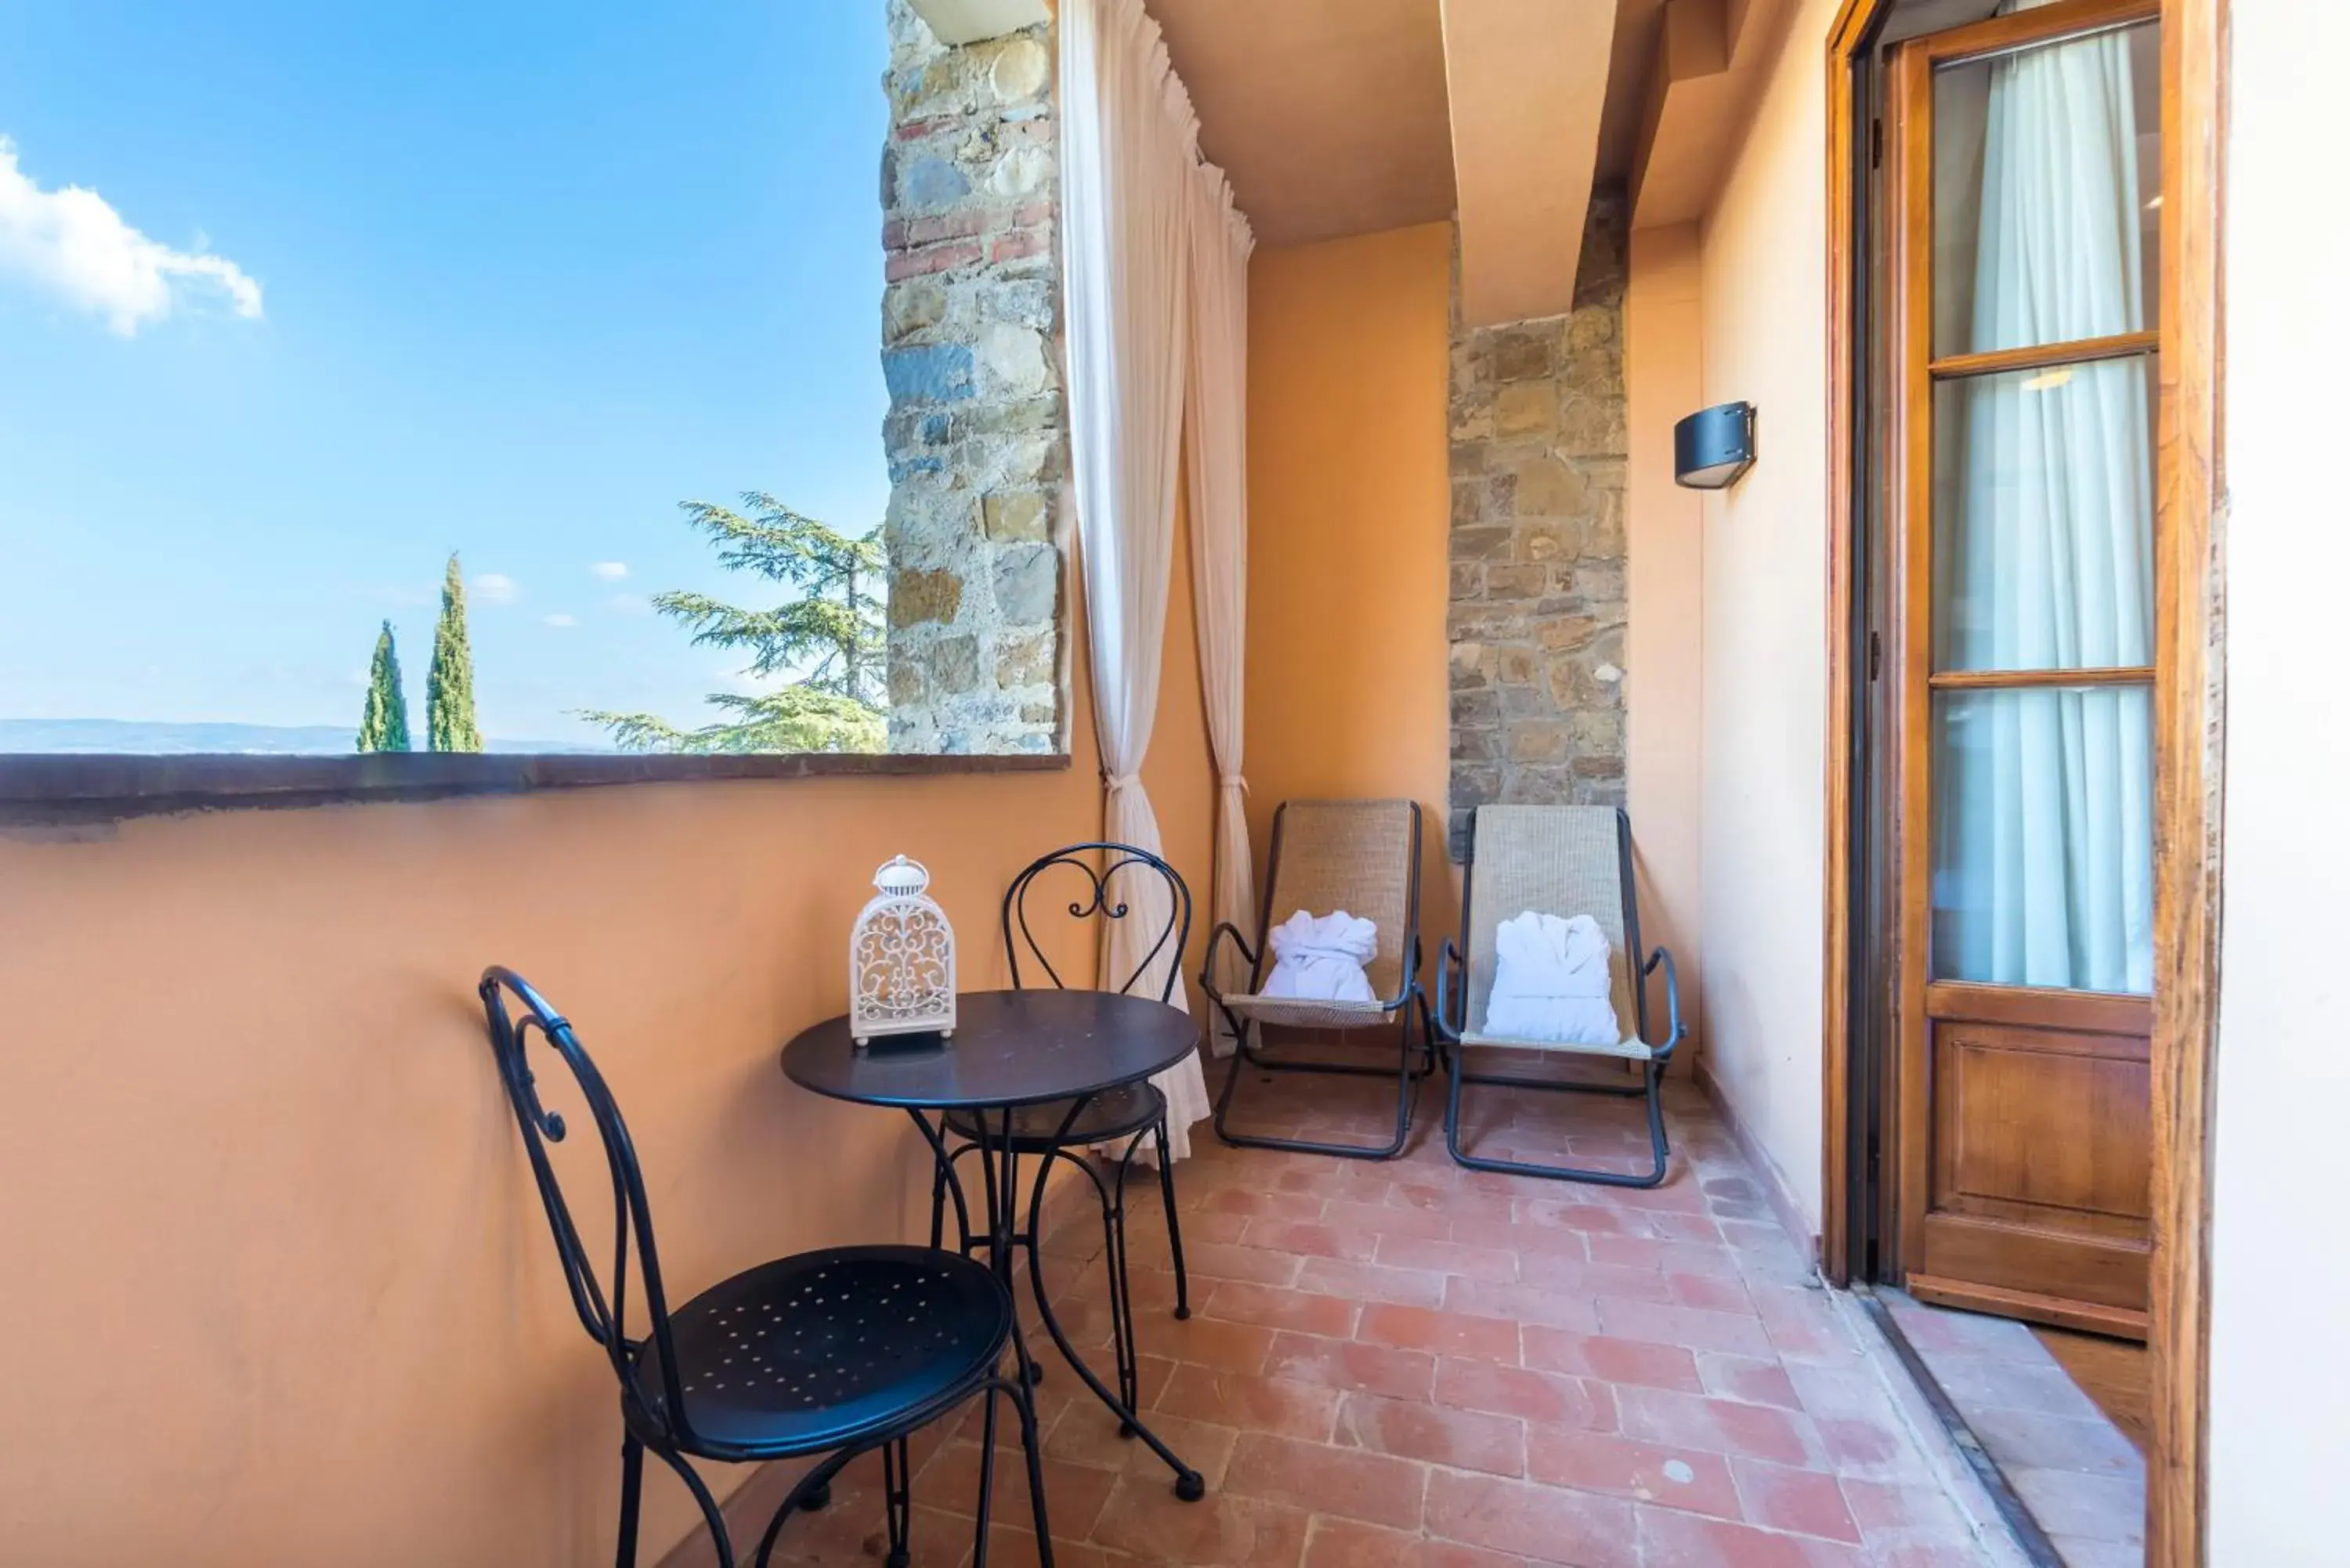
{"type": "Point", "coordinates": [1291, 1012]}
{"type": "Point", "coordinates": [1350, 854]}
{"type": "Point", "coordinates": [1560, 860]}
{"type": "Point", "coordinates": [1631, 1048]}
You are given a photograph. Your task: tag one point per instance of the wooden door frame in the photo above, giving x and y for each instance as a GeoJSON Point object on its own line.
{"type": "Point", "coordinates": [2188, 716]}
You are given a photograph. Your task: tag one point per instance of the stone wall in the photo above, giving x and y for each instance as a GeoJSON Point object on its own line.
{"type": "Point", "coordinates": [976, 434]}
{"type": "Point", "coordinates": [1537, 609]}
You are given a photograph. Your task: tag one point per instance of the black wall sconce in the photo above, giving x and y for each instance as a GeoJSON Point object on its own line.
{"type": "Point", "coordinates": [1713, 446]}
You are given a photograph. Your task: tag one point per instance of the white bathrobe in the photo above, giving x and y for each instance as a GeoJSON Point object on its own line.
{"type": "Point", "coordinates": [1321, 958]}
{"type": "Point", "coordinates": [1550, 983]}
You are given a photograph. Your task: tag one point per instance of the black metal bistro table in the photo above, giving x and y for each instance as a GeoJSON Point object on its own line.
{"type": "Point", "coordinates": [1010, 1048]}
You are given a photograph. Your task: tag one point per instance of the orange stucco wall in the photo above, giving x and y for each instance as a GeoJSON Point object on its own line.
{"type": "Point", "coordinates": [1762, 278]}
{"type": "Point", "coordinates": [1729, 635]}
{"type": "Point", "coordinates": [1347, 526]}
{"type": "Point", "coordinates": [281, 1291]}
{"type": "Point", "coordinates": [1665, 641]}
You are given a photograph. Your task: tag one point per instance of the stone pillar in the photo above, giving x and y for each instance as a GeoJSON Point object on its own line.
{"type": "Point", "coordinates": [1538, 606]}
{"type": "Point", "coordinates": [977, 434]}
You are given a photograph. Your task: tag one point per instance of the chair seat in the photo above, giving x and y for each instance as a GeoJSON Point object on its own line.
{"type": "Point", "coordinates": [1297, 1013]}
{"type": "Point", "coordinates": [1631, 1049]}
{"type": "Point", "coordinates": [819, 1350]}
{"type": "Point", "coordinates": [1112, 1114]}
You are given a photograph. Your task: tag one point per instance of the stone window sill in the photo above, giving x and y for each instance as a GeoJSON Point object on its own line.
{"type": "Point", "coordinates": [63, 790]}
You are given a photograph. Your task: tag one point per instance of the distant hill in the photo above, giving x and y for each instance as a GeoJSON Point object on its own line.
{"type": "Point", "coordinates": [132, 737]}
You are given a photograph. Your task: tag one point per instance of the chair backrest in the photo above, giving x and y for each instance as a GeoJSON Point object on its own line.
{"type": "Point", "coordinates": [1563, 860]}
{"type": "Point", "coordinates": [1359, 855]}
{"type": "Point", "coordinates": [1096, 895]}
{"type": "Point", "coordinates": [605, 1315]}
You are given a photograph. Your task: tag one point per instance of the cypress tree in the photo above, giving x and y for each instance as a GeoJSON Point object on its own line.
{"type": "Point", "coordinates": [383, 719]}
{"type": "Point", "coordinates": [449, 684]}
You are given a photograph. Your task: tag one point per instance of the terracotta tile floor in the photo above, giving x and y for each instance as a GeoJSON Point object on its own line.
{"type": "Point", "coordinates": [1411, 1364]}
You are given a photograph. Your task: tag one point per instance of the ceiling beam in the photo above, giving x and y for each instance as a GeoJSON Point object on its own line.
{"type": "Point", "coordinates": [969, 21]}
{"type": "Point", "coordinates": [1328, 115]}
{"type": "Point", "coordinates": [1711, 59]}
{"type": "Point", "coordinates": [1527, 79]}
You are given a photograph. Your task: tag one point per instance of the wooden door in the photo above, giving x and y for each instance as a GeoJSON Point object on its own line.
{"type": "Point", "coordinates": [2027, 165]}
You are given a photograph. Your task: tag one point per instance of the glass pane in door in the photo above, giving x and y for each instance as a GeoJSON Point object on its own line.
{"type": "Point", "coordinates": [2044, 837]}
{"type": "Point", "coordinates": [2043, 518]}
{"type": "Point", "coordinates": [2047, 174]}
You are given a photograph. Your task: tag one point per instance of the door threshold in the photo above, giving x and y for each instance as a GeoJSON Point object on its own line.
{"type": "Point", "coordinates": [2031, 1540]}
{"type": "Point", "coordinates": [2016, 1410]}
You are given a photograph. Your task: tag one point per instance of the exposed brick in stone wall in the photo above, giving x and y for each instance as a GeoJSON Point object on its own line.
{"type": "Point", "coordinates": [1537, 612]}
{"type": "Point", "coordinates": [976, 435]}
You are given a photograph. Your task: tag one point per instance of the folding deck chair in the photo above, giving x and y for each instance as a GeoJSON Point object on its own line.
{"type": "Point", "coordinates": [1362, 856]}
{"type": "Point", "coordinates": [1563, 860]}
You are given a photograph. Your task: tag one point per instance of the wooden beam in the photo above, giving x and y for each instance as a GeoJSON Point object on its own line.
{"type": "Point", "coordinates": [1712, 57]}
{"type": "Point", "coordinates": [1688, 84]}
{"type": "Point", "coordinates": [1527, 80]}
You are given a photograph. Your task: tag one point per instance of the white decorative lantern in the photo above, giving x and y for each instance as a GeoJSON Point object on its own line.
{"type": "Point", "coordinates": [901, 964]}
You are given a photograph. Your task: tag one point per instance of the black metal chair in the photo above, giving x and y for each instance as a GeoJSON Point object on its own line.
{"type": "Point", "coordinates": [1562, 860]}
{"type": "Point", "coordinates": [834, 1352]}
{"type": "Point", "coordinates": [1133, 1113]}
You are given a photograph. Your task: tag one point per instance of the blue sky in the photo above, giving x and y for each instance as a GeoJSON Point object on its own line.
{"type": "Point", "coordinates": [527, 275]}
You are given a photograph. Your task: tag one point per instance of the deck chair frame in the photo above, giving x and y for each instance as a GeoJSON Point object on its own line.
{"type": "Point", "coordinates": [1247, 1034]}
{"type": "Point", "coordinates": [1452, 1022]}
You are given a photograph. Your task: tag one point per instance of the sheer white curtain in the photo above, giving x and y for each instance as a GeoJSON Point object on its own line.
{"type": "Point", "coordinates": [1128, 155]}
{"type": "Point", "coordinates": [2046, 838]}
{"type": "Point", "coordinates": [1216, 416]}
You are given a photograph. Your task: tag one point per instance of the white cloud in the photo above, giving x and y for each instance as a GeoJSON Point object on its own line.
{"type": "Point", "coordinates": [611, 571]}
{"type": "Point", "coordinates": [72, 242]}
{"type": "Point", "coordinates": [559, 619]}
{"type": "Point", "coordinates": [495, 588]}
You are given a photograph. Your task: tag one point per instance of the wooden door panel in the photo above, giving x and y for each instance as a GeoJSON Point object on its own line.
{"type": "Point", "coordinates": [2108, 1273]}
{"type": "Point", "coordinates": [2072, 1283]}
{"type": "Point", "coordinates": [2041, 1128]}
{"type": "Point", "coordinates": [2036, 1201]}
{"type": "Point", "coordinates": [2079, 1011]}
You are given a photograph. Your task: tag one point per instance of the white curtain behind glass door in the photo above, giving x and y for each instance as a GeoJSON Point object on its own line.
{"type": "Point", "coordinates": [2045, 560]}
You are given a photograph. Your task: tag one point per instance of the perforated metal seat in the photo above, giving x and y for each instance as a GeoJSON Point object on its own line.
{"type": "Point", "coordinates": [827, 1349]}
{"type": "Point", "coordinates": [1112, 1114]}
{"type": "Point", "coordinates": [832, 1354]}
